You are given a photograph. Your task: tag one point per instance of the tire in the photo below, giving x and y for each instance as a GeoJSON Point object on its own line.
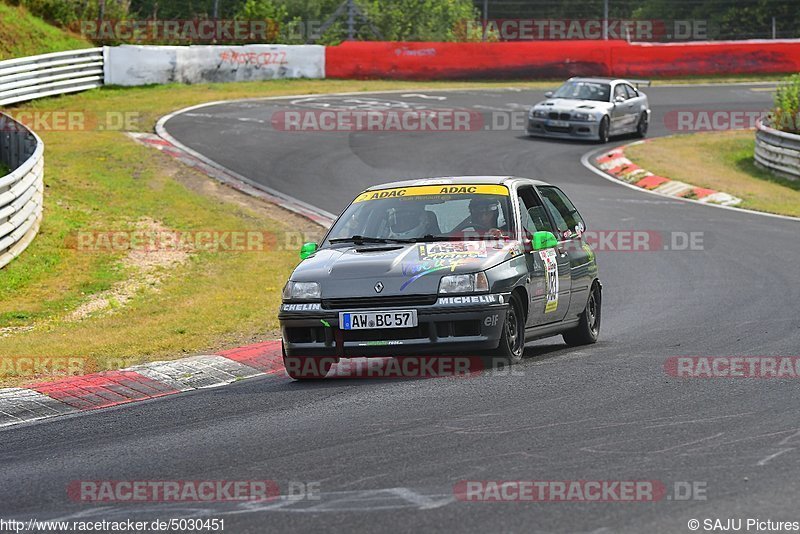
{"type": "Point", "coordinates": [512, 340]}
{"type": "Point", "coordinates": [306, 367]}
{"type": "Point", "coordinates": [588, 329]}
{"type": "Point", "coordinates": [641, 127]}
{"type": "Point", "coordinates": [602, 130]}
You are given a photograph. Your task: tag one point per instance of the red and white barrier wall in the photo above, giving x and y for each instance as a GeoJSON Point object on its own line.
{"type": "Point", "coordinates": [558, 59]}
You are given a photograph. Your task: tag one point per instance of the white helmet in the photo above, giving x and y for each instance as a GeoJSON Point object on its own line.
{"type": "Point", "coordinates": [407, 221]}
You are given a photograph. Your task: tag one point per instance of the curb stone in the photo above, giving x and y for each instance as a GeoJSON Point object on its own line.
{"type": "Point", "coordinates": [614, 163]}
{"type": "Point", "coordinates": [138, 383]}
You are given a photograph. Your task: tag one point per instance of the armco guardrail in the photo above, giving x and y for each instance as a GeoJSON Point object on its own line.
{"type": "Point", "coordinates": [33, 77]}
{"type": "Point", "coordinates": [21, 192]}
{"type": "Point", "coordinates": [778, 151]}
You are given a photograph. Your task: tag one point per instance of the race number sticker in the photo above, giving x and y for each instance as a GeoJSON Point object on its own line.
{"type": "Point", "coordinates": [551, 279]}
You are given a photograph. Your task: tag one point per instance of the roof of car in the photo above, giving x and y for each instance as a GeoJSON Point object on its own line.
{"type": "Point", "coordinates": [448, 180]}
{"type": "Point", "coordinates": [598, 80]}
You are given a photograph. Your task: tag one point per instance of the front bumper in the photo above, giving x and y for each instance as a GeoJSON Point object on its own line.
{"type": "Point", "coordinates": [446, 327]}
{"type": "Point", "coordinates": [573, 130]}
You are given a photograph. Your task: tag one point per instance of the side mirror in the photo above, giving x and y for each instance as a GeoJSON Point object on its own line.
{"type": "Point", "coordinates": [548, 94]}
{"type": "Point", "coordinates": [543, 240]}
{"type": "Point", "coordinates": [307, 250]}
{"type": "Point", "coordinates": [619, 99]}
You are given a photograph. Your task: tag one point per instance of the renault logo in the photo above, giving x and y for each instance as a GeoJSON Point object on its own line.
{"type": "Point", "coordinates": [378, 287]}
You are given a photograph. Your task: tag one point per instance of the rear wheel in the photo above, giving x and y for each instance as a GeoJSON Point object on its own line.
{"type": "Point", "coordinates": [307, 367]}
{"type": "Point", "coordinates": [588, 329]}
{"type": "Point", "coordinates": [641, 127]}
{"type": "Point", "coordinates": [512, 339]}
{"type": "Point", "coordinates": [602, 130]}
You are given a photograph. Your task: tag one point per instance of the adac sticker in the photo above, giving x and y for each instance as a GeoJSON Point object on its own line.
{"type": "Point", "coordinates": [423, 190]}
{"type": "Point", "coordinates": [551, 279]}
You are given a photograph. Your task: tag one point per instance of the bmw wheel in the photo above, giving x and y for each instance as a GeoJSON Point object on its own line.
{"type": "Point", "coordinates": [602, 130]}
{"type": "Point", "coordinates": [641, 127]}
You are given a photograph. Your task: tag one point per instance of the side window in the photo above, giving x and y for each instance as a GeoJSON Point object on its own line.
{"type": "Point", "coordinates": [631, 91]}
{"type": "Point", "coordinates": [532, 212]}
{"type": "Point", "coordinates": [619, 90]}
{"type": "Point", "coordinates": [568, 220]}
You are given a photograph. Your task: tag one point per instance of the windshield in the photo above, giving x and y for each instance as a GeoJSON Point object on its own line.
{"type": "Point", "coordinates": [419, 213]}
{"type": "Point", "coordinates": [584, 91]}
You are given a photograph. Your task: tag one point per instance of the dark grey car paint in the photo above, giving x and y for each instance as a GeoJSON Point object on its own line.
{"type": "Point", "coordinates": [352, 271]}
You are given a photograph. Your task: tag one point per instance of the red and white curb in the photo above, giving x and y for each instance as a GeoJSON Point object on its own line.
{"type": "Point", "coordinates": [142, 382]}
{"type": "Point", "coordinates": [615, 164]}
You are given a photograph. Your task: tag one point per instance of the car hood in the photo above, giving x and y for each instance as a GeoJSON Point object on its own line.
{"type": "Point", "coordinates": [354, 271]}
{"type": "Point", "coordinates": [569, 104]}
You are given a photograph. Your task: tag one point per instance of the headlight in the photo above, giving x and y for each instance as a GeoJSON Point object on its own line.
{"type": "Point", "coordinates": [301, 291]}
{"type": "Point", "coordinates": [539, 113]}
{"type": "Point", "coordinates": [582, 117]}
{"type": "Point", "coordinates": [464, 283]}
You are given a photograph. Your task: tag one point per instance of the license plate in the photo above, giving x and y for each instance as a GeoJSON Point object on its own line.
{"type": "Point", "coordinates": [559, 124]}
{"type": "Point", "coordinates": [377, 319]}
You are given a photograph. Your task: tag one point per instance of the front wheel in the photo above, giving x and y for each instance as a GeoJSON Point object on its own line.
{"type": "Point", "coordinates": [602, 130]}
{"type": "Point", "coordinates": [641, 127]}
{"type": "Point", "coordinates": [588, 329]}
{"type": "Point", "coordinates": [512, 339]}
{"type": "Point", "coordinates": [307, 367]}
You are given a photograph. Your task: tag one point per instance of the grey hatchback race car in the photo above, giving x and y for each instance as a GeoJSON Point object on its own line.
{"type": "Point", "coordinates": [591, 108]}
{"type": "Point", "coordinates": [471, 265]}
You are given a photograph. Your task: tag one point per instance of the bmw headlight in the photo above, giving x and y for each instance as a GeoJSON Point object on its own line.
{"type": "Point", "coordinates": [582, 116]}
{"type": "Point", "coordinates": [464, 283]}
{"type": "Point", "coordinates": [538, 113]}
{"type": "Point", "coordinates": [301, 291]}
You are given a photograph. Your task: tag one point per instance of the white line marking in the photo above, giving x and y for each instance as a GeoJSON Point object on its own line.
{"type": "Point", "coordinates": [775, 455]}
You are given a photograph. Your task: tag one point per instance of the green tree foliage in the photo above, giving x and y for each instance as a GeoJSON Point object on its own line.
{"type": "Point", "coordinates": [435, 20]}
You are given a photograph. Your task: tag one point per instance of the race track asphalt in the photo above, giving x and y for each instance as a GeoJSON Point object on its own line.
{"type": "Point", "coordinates": [386, 454]}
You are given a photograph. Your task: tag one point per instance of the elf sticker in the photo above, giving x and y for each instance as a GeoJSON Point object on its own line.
{"type": "Point", "coordinates": [551, 279]}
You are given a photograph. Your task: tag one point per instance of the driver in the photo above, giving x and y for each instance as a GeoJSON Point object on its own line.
{"type": "Point", "coordinates": [484, 213]}
{"type": "Point", "coordinates": [408, 220]}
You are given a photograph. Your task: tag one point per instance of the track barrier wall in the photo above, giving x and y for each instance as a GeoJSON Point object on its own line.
{"type": "Point", "coordinates": [558, 59]}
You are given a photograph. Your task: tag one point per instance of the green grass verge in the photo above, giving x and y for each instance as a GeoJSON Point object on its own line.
{"type": "Point", "coordinates": [722, 161]}
{"type": "Point", "coordinates": [22, 34]}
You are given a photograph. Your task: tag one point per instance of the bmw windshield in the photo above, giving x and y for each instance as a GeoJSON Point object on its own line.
{"type": "Point", "coordinates": [579, 90]}
{"type": "Point", "coordinates": [426, 213]}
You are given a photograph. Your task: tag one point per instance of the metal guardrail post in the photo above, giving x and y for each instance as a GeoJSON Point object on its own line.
{"type": "Point", "coordinates": [21, 150]}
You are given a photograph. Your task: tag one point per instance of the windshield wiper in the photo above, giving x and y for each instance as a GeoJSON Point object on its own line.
{"type": "Point", "coordinates": [360, 239]}
{"type": "Point", "coordinates": [431, 237]}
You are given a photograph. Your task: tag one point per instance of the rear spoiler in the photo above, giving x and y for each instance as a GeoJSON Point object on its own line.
{"type": "Point", "coordinates": [637, 83]}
